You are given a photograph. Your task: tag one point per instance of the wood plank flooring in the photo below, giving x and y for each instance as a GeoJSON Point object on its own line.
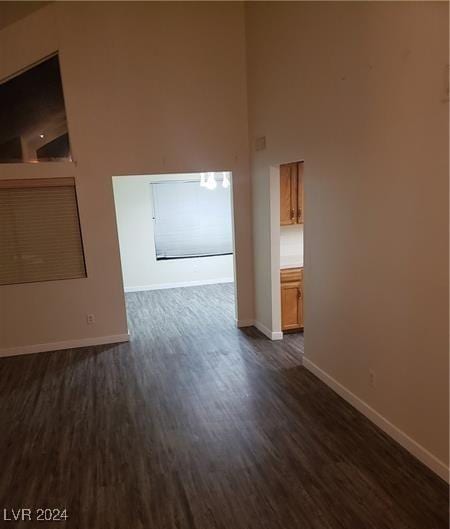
{"type": "Point", "coordinates": [198, 425]}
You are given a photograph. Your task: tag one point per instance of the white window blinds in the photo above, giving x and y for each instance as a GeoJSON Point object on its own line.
{"type": "Point", "coordinates": [191, 221]}
{"type": "Point", "coordinates": [40, 237]}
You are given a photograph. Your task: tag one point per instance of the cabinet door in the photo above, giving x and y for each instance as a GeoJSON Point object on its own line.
{"type": "Point", "coordinates": [288, 194]}
{"type": "Point", "coordinates": [300, 193]}
{"type": "Point", "coordinates": [291, 306]}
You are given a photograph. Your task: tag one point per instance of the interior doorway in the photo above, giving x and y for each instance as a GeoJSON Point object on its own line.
{"type": "Point", "coordinates": [291, 246]}
{"type": "Point", "coordinates": [287, 227]}
{"type": "Point", "coordinates": [177, 247]}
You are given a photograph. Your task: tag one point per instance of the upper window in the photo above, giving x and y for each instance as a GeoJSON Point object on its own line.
{"type": "Point", "coordinates": [191, 220]}
{"type": "Point", "coordinates": [33, 123]}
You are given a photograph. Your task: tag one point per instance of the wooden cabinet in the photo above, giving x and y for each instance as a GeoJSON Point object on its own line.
{"type": "Point", "coordinates": [291, 193]}
{"type": "Point", "coordinates": [292, 299]}
{"type": "Point", "coordinates": [300, 193]}
{"type": "Point", "coordinates": [288, 194]}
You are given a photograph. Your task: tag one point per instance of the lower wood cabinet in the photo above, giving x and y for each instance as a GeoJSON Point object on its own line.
{"type": "Point", "coordinates": [292, 299]}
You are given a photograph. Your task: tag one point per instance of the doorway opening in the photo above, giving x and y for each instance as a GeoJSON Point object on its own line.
{"type": "Point", "coordinates": [177, 250]}
{"type": "Point", "coordinates": [287, 196]}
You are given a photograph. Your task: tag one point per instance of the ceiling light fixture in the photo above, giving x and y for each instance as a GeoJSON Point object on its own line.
{"type": "Point", "coordinates": [225, 181]}
{"type": "Point", "coordinates": [211, 182]}
{"type": "Point", "coordinates": [208, 180]}
{"type": "Point", "coordinates": [202, 179]}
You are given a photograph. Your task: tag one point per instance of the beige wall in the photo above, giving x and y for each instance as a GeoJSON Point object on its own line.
{"type": "Point", "coordinates": [358, 90]}
{"type": "Point", "coordinates": [154, 88]}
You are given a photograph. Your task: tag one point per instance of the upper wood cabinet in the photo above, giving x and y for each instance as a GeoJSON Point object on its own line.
{"type": "Point", "coordinates": [291, 193]}
{"type": "Point", "coordinates": [288, 194]}
{"type": "Point", "coordinates": [300, 193]}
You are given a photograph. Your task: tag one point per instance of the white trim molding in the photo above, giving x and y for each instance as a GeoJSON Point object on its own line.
{"type": "Point", "coordinates": [162, 286]}
{"type": "Point", "coordinates": [414, 448]}
{"type": "Point", "coordinates": [270, 334]}
{"type": "Point", "coordinates": [68, 344]}
{"type": "Point", "coordinates": [244, 323]}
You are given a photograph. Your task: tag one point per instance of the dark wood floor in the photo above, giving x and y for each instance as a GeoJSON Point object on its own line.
{"type": "Point", "coordinates": [197, 425]}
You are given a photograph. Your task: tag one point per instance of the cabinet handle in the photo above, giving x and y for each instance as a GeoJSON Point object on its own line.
{"type": "Point", "coordinates": [292, 214]}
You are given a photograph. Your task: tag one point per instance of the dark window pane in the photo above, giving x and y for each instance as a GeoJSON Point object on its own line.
{"type": "Point", "coordinates": [33, 124]}
{"type": "Point", "coordinates": [55, 149]}
{"type": "Point", "coordinates": [11, 149]}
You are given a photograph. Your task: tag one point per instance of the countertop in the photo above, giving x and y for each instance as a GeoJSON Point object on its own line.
{"type": "Point", "coordinates": [291, 261]}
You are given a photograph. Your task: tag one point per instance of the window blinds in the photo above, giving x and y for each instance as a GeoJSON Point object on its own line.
{"type": "Point", "coordinates": [40, 237]}
{"type": "Point", "coordinates": [190, 220]}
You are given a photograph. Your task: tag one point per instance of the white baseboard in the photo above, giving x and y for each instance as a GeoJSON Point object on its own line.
{"type": "Point", "coordinates": [268, 332]}
{"type": "Point", "coordinates": [417, 450]}
{"type": "Point", "coordinates": [161, 286]}
{"type": "Point", "coordinates": [244, 323]}
{"type": "Point", "coordinates": [68, 344]}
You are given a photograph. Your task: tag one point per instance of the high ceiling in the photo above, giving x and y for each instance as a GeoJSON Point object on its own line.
{"type": "Point", "coordinates": [10, 12]}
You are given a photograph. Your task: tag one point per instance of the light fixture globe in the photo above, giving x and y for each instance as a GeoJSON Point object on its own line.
{"type": "Point", "coordinates": [225, 181]}
{"type": "Point", "coordinates": [211, 182]}
{"type": "Point", "coordinates": [202, 179]}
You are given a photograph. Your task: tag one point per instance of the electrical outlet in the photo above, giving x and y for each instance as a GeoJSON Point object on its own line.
{"type": "Point", "coordinates": [90, 319]}
{"type": "Point", "coordinates": [372, 378]}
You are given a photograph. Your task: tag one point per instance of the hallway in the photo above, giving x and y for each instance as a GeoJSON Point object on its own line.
{"type": "Point", "coordinates": [198, 425]}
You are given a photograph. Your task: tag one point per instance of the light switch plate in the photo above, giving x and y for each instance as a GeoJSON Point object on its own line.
{"type": "Point", "coordinates": [260, 143]}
